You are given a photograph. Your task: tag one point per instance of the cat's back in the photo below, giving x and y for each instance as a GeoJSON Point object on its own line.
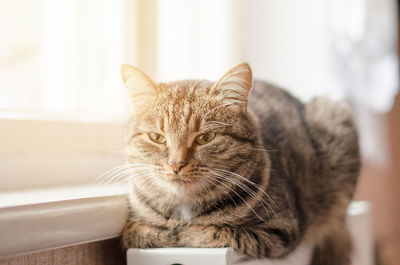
{"type": "Point", "coordinates": [280, 117]}
{"type": "Point", "coordinates": [312, 145]}
{"type": "Point", "coordinates": [300, 135]}
{"type": "Point", "coordinates": [265, 95]}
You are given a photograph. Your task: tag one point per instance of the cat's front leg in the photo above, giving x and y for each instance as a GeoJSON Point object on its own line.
{"type": "Point", "coordinates": [138, 235]}
{"type": "Point", "coordinates": [205, 236]}
{"type": "Point", "coordinates": [252, 242]}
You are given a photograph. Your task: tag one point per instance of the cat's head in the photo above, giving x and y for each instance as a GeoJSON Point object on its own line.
{"type": "Point", "coordinates": [191, 136]}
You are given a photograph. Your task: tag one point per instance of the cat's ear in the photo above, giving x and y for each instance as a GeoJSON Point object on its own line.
{"type": "Point", "coordinates": [234, 86]}
{"type": "Point", "coordinates": [138, 83]}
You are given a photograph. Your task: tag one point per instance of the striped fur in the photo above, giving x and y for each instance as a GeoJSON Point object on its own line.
{"type": "Point", "coordinates": [276, 174]}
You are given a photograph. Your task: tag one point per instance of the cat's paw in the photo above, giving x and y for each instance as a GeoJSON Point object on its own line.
{"type": "Point", "coordinates": [258, 244]}
{"type": "Point", "coordinates": [137, 235]}
{"type": "Point", "coordinates": [205, 236]}
{"type": "Point", "coordinates": [246, 246]}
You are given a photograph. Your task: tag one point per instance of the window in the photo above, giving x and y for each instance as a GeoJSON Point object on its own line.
{"type": "Point", "coordinates": [63, 57]}
{"type": "Point", "coordinates": [21, 53]}
{"type": "Point", "coordinates": [62, 102]}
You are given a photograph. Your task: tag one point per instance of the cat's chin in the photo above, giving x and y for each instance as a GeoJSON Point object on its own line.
{"type": "Point", "coordinates": [181, 181]}
{"type": "Point", "coordinates": [181, 187]}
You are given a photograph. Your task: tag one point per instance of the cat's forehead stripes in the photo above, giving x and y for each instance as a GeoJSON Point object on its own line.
{"type": "Point", "coordinates": [183, 105]}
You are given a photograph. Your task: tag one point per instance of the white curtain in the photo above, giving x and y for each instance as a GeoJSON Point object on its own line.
{"type": "Point", "coordinates": [363, 34]}
{"type": "Point", "coordinates": [83, 50]}
{"type": "Point", "coordinates": [196, 39]}
{"type": "Point", "coordinates": [336, 47]}
{"type": "Point", "coordinates": [63, 57]}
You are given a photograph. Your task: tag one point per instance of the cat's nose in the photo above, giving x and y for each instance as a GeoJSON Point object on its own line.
{"type": "Point", "coordinates": [176, 165]}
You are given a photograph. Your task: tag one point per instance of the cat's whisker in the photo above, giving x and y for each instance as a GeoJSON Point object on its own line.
{"type": "Point", "coordinates": [209, 192]}
{"type": "Point", "coordinates": [272, 205]}
{"type": "Point", "coordinates": [124, 171]}
{"type": "Point", "coordinates": [119, 182]}
{"type": "Point", "coordinates": [116, 178]}
{"type": "Point", "coordinates": [233, 174]}
{"type": "Point", "coordinates": [205, 187]}
{"type": "Point", "coordinates": [151, 180]}
{"type": "Point", "coordinates": [246, 180]}
{"type": "Point", "coordinates": [241, 177]}
{"type": "Point", "coordinates": [116, 168]}
{"type": "Point", "coordinates": [251, 193]}
{"type": "Point", "coordinates": [248, 191]}
{"type": "Point", "coordinates": [215, 184]}
{"type": "Point", "coordinates": [247, 204]}
{"type": "Point", "coordinates": [227, 194]}
{"type": "Point", "coordinates": [116, 172]}
{"type": "Point", "coordinates": [244, 201]}
{"type": "Point", "coordinates": [110, 171]}
{"type": "Point", "coordinates": [147, 180]}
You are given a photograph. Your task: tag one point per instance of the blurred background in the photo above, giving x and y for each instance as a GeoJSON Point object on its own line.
{"type": "Point", "coordinates": [63, 106]}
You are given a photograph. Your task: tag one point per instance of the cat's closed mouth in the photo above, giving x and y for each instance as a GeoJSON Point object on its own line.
{"type": "Point", "coordinates": [179, 179]}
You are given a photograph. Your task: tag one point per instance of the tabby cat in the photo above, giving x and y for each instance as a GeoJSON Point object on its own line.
{"type": "Point", "coordinates": [211, 164]}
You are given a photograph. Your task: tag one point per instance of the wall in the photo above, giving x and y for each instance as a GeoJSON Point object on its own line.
{"type": "Point", "coordinates": [97, 253]}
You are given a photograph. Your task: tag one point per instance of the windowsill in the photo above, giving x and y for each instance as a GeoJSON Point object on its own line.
{"type": "Point", "coordinates": [53, 218]}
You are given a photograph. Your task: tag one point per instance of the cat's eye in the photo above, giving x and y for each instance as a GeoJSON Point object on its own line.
{"type": "Point", "coordinates": [205, 138]}
{"type": "Point", "coordinates": [157, 138]}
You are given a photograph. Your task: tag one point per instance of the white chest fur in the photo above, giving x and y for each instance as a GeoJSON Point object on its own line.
{"type": "Point", "coordinates": [183, 212]}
